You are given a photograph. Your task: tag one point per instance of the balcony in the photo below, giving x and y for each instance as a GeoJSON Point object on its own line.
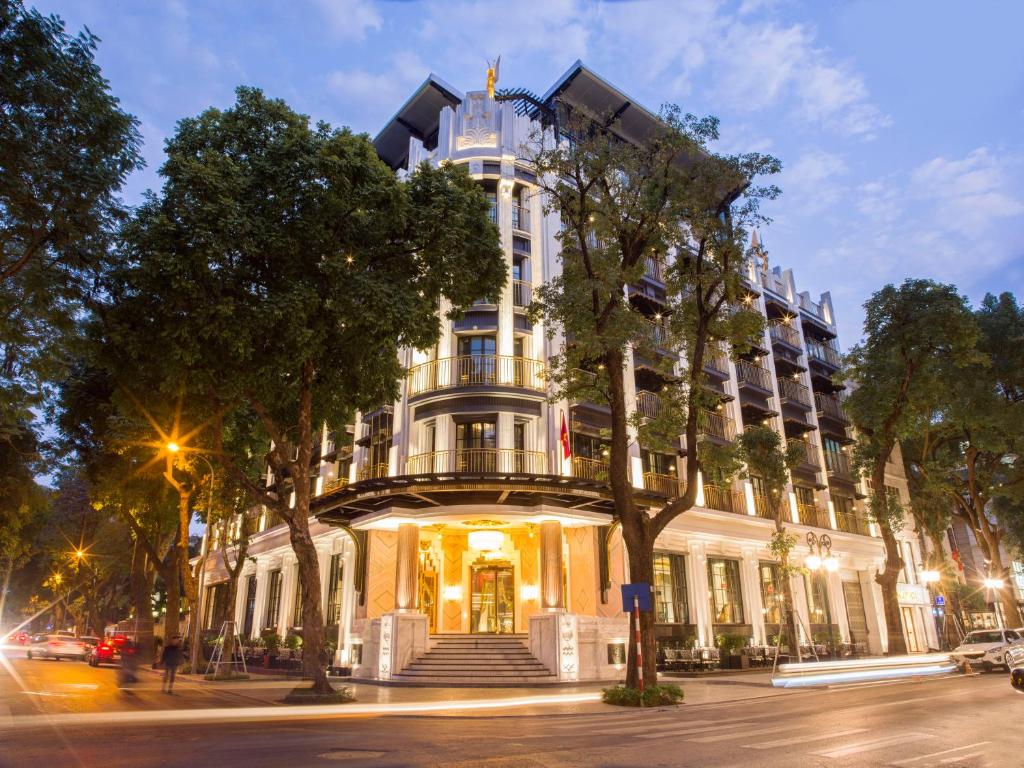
{"type": "Point", "coordinates": [824, 354]}
{"type": "Point", "coordinates": [811, 514]}
{"type": "Point", "coordinates": [809, 458]}
{"type": "Point", "coordinates": [830, 406]}
{"type": "Point", "coordinates": [522, 293]}
{"type": "Point", "coordinates": [654, 269]}
{"type": "Point", "coordinates": [837, 465]}
{"type": "Point", "coordinates": [784, 332]}
{"type": "Point", "coordinates": [664, 485]}
{"type": "Point", "coordinates": [722, 499]}
{"type": "Point", "coordinates": [590, 469]}
{"type": "Point", "coordinates": [793, 392]}
{"type": "Point", "coordinates": [851, 522]}
{"type": "Point", "coordinates": [716, 361]}
{"type": "Point", "coordinates": [764, 508]}
{"type": "Point", "coordinates": [338, 482]}
{"type": "Point", "coordinates": [659, 334]}
{"type": "Point", "coordinates": [716, 425]}
{"type": "Point", "coordinates": [751, 374]}
{"type": "Point", "coordinates": [476, 371]}
{"type": "Point", "coordinates": [372, 471]}
{"type": "Point", "coordinates": [520, 218]}
{"type": "Point", "coordinates": [648, 404]}
{"type": "Point", "coordinates": [478, 460]}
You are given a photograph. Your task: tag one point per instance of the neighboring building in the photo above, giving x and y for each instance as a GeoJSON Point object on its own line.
{"type": "Point", "coordinates": [982, 611]}
{"type": "Point", "coordinates": [453, 510]}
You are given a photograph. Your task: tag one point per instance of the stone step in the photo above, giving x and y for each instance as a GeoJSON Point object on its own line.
{"type": "Point", "coordinates": [477, 673]}
{"type": "Point", "coordinates": [438, 664]}
{"type": "Point", "coordinates": [473, 682]}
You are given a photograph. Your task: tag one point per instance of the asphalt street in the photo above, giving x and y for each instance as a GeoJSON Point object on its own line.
{"type": "Point", "coordinates": [955, 721]}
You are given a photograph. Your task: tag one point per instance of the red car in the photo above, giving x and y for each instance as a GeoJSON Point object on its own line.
{"type": "Point", "coordinates": [108, 651]}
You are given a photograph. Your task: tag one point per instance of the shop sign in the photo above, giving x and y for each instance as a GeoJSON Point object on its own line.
{"type": "Point", "coordinates": [911, 593]}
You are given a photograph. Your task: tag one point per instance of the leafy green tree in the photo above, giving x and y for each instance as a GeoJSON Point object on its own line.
{"type": "Point", "coordinates": [621, 204]}
{"type": "Point", "coordinates": [918, 338]}
{"type": "Point", "coordinates": [277, 276]}
{"type": "Point", "coordinates": [66, 147]}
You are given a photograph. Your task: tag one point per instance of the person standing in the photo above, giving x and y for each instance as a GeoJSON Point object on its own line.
{"type": "Point", "coordinates": [171, 660]}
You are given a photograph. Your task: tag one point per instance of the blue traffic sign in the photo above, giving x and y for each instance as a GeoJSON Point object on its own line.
{"type": "Point", "coordinates": [940, 600]}
{"type": "Point", "coordinates": [641, 591]}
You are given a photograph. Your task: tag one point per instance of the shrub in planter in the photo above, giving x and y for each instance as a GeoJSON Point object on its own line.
{"type": "Point", "coordinates": [653, 696]}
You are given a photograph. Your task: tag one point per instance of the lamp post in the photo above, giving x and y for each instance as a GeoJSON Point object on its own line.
{"type": "Point", "coordinates": [821, 559]}
{"type": "Point", "coordinates": [173, 448]}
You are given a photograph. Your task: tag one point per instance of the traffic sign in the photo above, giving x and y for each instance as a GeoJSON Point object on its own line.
{"type": "Point", "coordinates": [940, 600]}
{"type": "Point", "coordinates": [642, 593]}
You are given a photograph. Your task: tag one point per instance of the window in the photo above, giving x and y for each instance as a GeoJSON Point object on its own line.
{"type": "Point", "coordinates": [771, 592]}
{"type": "Point", "coordinates": [804, 495]}
{"type": "Point", "coordinates": [726, 596]}
{"type": "Point", "coordinates": [476, 363]}
{"type": "Point", "coordinates": [475, 444]}
{"type": "Point", "coordinates": [817, 598]}
{"type": "Point", "coordinates": [670, 603]}
{"type": "Point", "coordinates": [297, 603]}
{"type": "Point", "coordinates": [273, 601]}
{"type": "Point", "coordinates": [659, 463]}
{"type": "Point", "coordinates": [589, 447]}
{"type": "Point", "coordinates": [216, 594]}
{"type": "Point", "coordinates": [335, 584]}
{"type": "Point", "coordinates": [476, 345]}
{"type": "Point", "coordinates": [250, 606]}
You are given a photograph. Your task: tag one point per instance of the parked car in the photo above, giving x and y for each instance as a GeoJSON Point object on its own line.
{"type": "Point", "coordinates": [107, 651]}
{"type": "Point", "coordinates": [57, 647]}
{"type": "Point", "coordinates": [1015, 661]}
{"type": "Point", "coordinates": [986, 647]}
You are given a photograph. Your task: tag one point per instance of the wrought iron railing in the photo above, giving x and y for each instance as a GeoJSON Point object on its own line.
{"type": "Point", "coordinates": [714, 424]}
{"type": "Point", "coordinates": [810, 450]}
{"type": "Point", "coordinates": [751, 373]}
{"type": "Point", "coordinates": [476, 370]}
{"type": "Point", "coordinates": [851, 522]}
{"type": "Point", "coordinates": [590, 469]}
{"type": "Point", "coordinates": [665, 485]}
{"type": "Point", "coordinates": [763, 506]}
{"type": "Point", "coordinates": [337, 482]}
{"type": "Point", "coordinates": [371, 471]}
{"type": "Point", "coordinates": [830, 406]}
{"type": "Point", "coordinates": [648, 404]}
{"type": "Point", "coordinates": [838, 465]}
{"type": "Point", "coordinates": [716, 360]}
{"type": "Point", "coordinates": [825, 354]}
{"type": "Point", "coordinates": [793, 391]}
{"type": "Point", "coordinates": [654, 268]}
{"type": "Point", "coordinates": [811, 514]}
{"type": "Point", "coordinates": [475, 460]}
{"type": "Point", "coordinates": [780, 331]}
{"type": "Point", "coordinates": [717, 497]}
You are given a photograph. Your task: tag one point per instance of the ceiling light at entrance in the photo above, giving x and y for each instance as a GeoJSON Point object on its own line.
{"type": "Point", "coordinates": [486, 541]}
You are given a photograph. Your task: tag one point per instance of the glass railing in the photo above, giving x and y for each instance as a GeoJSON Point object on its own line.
{"type": "Point", "coordinates": [486, 460]}
{"type": "Point", "coordinates": [476, 370]}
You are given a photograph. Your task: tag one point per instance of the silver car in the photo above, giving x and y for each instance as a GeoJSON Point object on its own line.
{"type": "Point", "coordinates": [1015, 661]}
{"type": "Point", "coordinates": [57, 647]}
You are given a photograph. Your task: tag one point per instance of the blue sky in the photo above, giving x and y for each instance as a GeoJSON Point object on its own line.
{"type": "Point", "coordinates": [900, 124]}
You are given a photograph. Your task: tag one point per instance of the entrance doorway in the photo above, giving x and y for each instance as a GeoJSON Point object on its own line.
{"type": "Point", "coordinates": [910, 630]}
{"type": "Point", "coordinates": [856, 615]}
{"type": "Point", "coordinates": [492, 607]}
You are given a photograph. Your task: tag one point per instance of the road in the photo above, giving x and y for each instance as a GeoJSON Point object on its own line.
{"type": "Point", "coordinates": [957, 721]}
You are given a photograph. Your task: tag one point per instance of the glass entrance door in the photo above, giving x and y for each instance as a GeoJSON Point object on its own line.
{"type": "Point", "coordinates": [493, 602]}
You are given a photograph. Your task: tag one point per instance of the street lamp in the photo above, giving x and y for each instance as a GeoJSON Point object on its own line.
{"type": "Point", "coordinates": [821, 558]}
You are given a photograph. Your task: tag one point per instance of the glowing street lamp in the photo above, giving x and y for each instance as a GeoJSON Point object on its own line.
{"type": "Point", "coordinates": [172, 447]}
{"type": "Point", "coordinates": [930, 577]}
{"type": "Point", "coordinates": [821, 557]}
{"type": "Point", "coordinates": [993, 583]}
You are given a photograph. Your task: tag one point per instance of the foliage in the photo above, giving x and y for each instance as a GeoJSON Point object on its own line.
{"type": "Point", "coordinates": [66, 147]}
{"type": "Point", "coordinates": [271, 642]}
{"type": "Point", "coordinates": [730, 643]}
{"type": "Point", "coordinates": [652, 696]}
{"type": "Point", "coordinates": [293, 642]}
{"type": "Point", "coordinates": [781, 545]}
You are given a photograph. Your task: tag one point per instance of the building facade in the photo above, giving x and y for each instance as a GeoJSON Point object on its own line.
{"type": "Point", "coordinates": [455, 511]}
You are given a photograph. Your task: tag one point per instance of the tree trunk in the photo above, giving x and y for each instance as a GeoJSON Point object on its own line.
{"type": "Point", "coordinates": [184, 521]}
{"type": "Point", "coordinates": [886, 579]}
{"type": "Point", "coordinates": [141, 579]}
{"type": "Point", "coordinates": [313, 665]}
{"type": "Point", "coordinates": [225, 614]}
{"type": "Point", "coordinates": [172, 616]}
{"type": "Point", "coordinates": [8, 571]}
{"type": "Point", "coordinates": [640, 552]}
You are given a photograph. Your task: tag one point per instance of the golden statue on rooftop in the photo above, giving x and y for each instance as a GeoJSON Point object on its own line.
{"type": "Point", "coordinates": [492, 75]}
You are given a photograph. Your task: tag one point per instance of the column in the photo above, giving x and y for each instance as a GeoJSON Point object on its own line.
{"type": "Point", "coordinates": [751, 580]}
{"type": "Point", "coordinates": [697, 576]}
{"type": "Point", "coordinates": [407, 567]}
{"type": "Point", "coordinates": [261, 598]}
{"type": "Point", "coordinates": [551, 566]}
{"type": "Point", "coordinates": [289, 579]}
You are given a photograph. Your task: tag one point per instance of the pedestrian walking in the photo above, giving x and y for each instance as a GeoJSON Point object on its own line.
{"type": "Point", "coordinates": [171, 659]}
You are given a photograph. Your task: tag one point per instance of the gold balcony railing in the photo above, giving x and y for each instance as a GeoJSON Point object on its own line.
{"type": "Point", "coordinates": [717, 497]}
{"type": "Point", "coordinates": [794, 392]}
{"type": "Point", "coordinates": [851, 522]}
{"type": "Point", "coordinates": [520, 218]}
{"type": "Point", "coordinates": [825, 354]}
{"type": "Point", "coordinates": [831, 406]}
{"type": "Point", "coordinates": [763, 507]}
{"type": "Point", "coordinates": [648, 404]}
{"type": "Point", "coordinates": [811, 514]}
{"type": "Point", "coordinates": [476, 370]}
{"type": "Point", "coordinates": [522, 293]}
{"type": "Point", "coordinates": [784, 332]}
{"type": "Point", "coordinates": [371, 471]}
{"type": "Point", "coordinates": [713, 424]}
{"type": "Point", "coordinates": [756, 375]}
{"type": "Point", "coordinates": [665, 485]}
{"type": "Point", "coordinates": [838, 465]}
{"type": "Point", "coordinates": [336, 482]}
{"type": "Point", "coordinates": [590, 469]}
{"type": "Point", "coordinates": [496, 460]}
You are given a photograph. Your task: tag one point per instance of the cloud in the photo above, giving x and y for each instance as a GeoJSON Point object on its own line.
{"type": "Point", "coordinates": [350, 19]}
{"type": "Point", "coordinates": [369, 98]}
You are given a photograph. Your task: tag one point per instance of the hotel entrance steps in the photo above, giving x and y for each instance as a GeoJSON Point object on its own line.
{"type": "Point", "coordinates": [476, 660]}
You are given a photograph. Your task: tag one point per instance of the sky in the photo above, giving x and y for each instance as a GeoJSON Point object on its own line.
{"type": "Point", "coordinates": [900, 125]}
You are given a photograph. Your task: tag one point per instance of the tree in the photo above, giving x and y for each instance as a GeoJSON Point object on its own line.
{"type": "Point", "coordinates": [277, 276]}
{"type": "Point", "coordinates": [66, 147]}
{"type": "Point", "coordinates": [918, 337]}
{"type": "Point", "coordinates": [966, 462]}
{"type": "Point", "coordinates": [619, 205]}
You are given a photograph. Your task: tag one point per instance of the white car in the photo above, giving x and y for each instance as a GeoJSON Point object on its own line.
{"type": "Point", "coordinates": [57, 647]}
{"type": "Point", "coordinates": [1015, 661]}
{"type": "Point", "coordinates": [986, 647]}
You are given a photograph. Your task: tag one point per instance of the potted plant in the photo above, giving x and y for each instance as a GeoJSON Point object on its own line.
{"type": "Point", "coordinates": [730, 646]}
{"type": "Point", "coordinates": [271, 647]}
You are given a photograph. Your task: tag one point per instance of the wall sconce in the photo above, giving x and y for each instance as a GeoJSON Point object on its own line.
{"type": "Point", "coordinates": [453, 593]}
{"type": "Point", "coordinates": [529, 592]}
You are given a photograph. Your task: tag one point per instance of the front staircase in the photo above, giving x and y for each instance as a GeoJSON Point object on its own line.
{"type": "Point", "coordinates": [476, 660]}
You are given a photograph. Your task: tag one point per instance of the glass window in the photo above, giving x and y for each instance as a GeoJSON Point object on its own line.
{"type": "Point", "coordinates": [475, 444]}
{"type": "Point", "coordinates": [726, 595]}
{"type": "Point", "coordinates": [297, 603]}
{"type": "Point", "coordinates": [659, 463]}
{"type": "Point", "coordinates": [909, 566]}
{"type": "Point", "coordinates": [817, 598]}
{"type": "Point", "coordinates": [273, 601]}
{"type": "Point", "coordinates": [335, 583]}
{"type": "Point", "coordinates": [771, 592]}
{"type": "Point", "coordinates": [476, 345]}
{"type": "Point", "coordinates": [670, 602]}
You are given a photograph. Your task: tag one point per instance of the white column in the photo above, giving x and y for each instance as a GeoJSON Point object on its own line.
{"type": "Point", "coordinates": [262, 580]}
{"type": "Point", "coordinates": [750, 578]}
{"type": "Point", "coordinates": [506, 440]}
{"type": "Point", "coordinates": [837, 603]}
{"type": "Point", "coordinates": [289, 579]}
{"type": "Point", "coordinates": [700, 593]}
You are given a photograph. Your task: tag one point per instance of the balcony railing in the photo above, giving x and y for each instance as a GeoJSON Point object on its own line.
{"type": "Point", "coordinates": [659, 334]}
{"type": "Point", "coordinates": [474, 460]}
{"type": "Point", "coordinates": [520, 218]}
{"type": "Point", "coordinates": [717, 497]}
{"type": "Point", "coordinates": [590, 469]}
{"type": "Point", "coordinates": [811, 514]}
{"type": "Point", "coordinates": [791, 390]}
{"type": "Point", "coordinates": [753, 374]}
{"type": "Point", "coordinates": [648, 404]}
{"type": "Point", "coordinates": [714, 424]}
{"type": "Point", "coordinates": [828, 405]}
{"type": "Point", "coordinates": [838, 465]}
{"type": "Point", "coordinates": [824, 354]}
{"type": "Point", "coordinates": [522, 293]}
{"type": "Point", "coordinates": [851, 522]}
{"type": "Point", "coordinates": [763, 506]}
{"type": "Point", "coordinates": [371, 471]}
{"type": "Point", "coordinates": [476, 370]}
{"type": "Point", "coordinates": [716, 360]}
{"type": "Point", "coordinates": [810, 451]}
{"type": "Point", "coordinates": [665, 485]}
{"type": "Point", "coordinates": [784, 332]}
{"type": "Point", "coordinates": [338, 482]}
{"type": "Point", "coordinates": [655, 269]}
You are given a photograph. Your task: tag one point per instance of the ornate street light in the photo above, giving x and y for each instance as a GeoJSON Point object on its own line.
{"type": "Point", "coordinates": [821, 558]}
